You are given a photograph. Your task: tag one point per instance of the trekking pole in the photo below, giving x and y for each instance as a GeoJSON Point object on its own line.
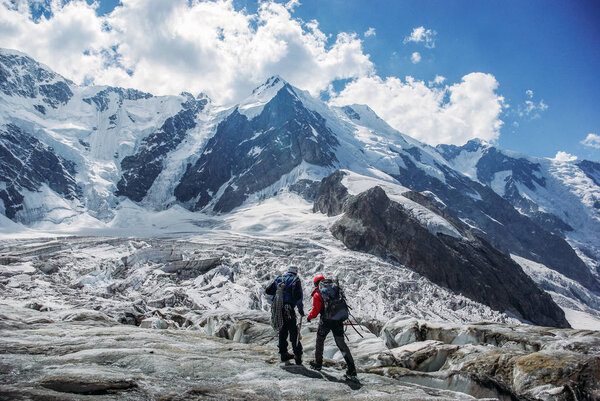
{"type": "Point", "coordinates": [299, 336]}
{"type": "Point", "coordinates": [352, 325]}
{"type": "Point", "coordinates": [355, 324]}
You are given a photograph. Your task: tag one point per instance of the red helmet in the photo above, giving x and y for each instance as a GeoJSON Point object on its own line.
{"type": "Point", "coordinates": [318, 278]}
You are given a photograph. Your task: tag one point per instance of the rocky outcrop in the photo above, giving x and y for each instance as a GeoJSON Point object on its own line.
{"type": "Point", "coordinates": [248, 155]}
{"type": "Point", "coordinates": [373, 223]}
{"type": "Point", "coordinates": [592, 170]}
{"type": "Point", "coordinates": [518, 362]}
{"type": "Point", "coordinates": [141, 169]}
{"type": "Point", "coordinates": [22, 76]}
{"type": "Point", "coordinates": [497, 221]}
{"type": "Point", "coordinates": [26, 164]}
{"type": "Point", "coordinates": [102, 99]}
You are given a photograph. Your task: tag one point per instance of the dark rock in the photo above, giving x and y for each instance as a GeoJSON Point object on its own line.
{"type": "Point", "coordinates": [102, 99]}
{"type": "Point", "coordinates": [249, 155]}
{"type": "Point", "coordinates": [351, 113]}
{"type": "Point", "coordinates": [497, 220]}
{"type": "Point", "coordinates": [373, 223]}
{"type": "Point", "coordinates": [331, 195]}
{"type": "Point", "coordinates": [591, 169]}
{"type": "Point", "coordinates": [91, 386]}
{"type": "Point", "coordinates": [306, 188]}
{"type": "Point", "coordinates": [26, 164]}
{"type": "Point", "coordinates": [38, 307]}
{"type": "Point", "coordinates": [141, 169]}
{"type": "Point", "coordinates": [23, 76]}
{"type": "Point", "coordinates": [197, 266]}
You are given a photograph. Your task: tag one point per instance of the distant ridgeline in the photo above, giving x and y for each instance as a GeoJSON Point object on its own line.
{"type": "Point", "coordinates": [452, 213]}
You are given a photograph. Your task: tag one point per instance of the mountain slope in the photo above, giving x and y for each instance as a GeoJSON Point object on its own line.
{"type": "Point", "coordinates": [561, 197]}
{"type": "Point", "coordinates": [375, 223]}
{"type": "Point", "coordinates": [245, 156]}
{"type": "Point", "coordinates": [124, 154]}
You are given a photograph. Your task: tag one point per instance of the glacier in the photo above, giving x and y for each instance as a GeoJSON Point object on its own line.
{"type": "Point", "coordinates": [116, 283]}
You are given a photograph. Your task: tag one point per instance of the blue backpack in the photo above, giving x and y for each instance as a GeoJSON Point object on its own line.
{"type": "Point", "coordinates": [334, 302]}
{"type": "Point", "coordinates": [288, 287]}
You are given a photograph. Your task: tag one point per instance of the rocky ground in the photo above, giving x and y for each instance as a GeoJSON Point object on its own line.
{"type": "Point", "coordinates": [115, 318]}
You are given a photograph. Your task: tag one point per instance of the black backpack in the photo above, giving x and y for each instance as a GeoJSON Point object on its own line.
{"type": "Point", "coordinates": [334, 302]}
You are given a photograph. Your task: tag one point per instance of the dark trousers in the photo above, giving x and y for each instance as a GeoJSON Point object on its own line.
{"type": "Point", "coordinates": [289, 328]}
{"type": "Point", "coordinates": [337, 328]}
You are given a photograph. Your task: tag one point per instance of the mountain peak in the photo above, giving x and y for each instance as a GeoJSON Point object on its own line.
{"type": "Point", "coordinates": [272, 81]}
{"type": "Point", "coordinates": [261, 95]}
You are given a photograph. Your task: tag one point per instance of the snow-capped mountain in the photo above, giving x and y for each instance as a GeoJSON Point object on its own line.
{"type": "Point", "coordinates": [76, 156]}
{"type": "Point", "coordinates": [561, 197]}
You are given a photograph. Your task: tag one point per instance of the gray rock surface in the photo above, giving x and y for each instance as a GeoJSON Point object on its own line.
{"type": "Point", "coordinates": [81, 331]}
{"type": "Point", "coordinates": [25, 165]}
{"type": "Point", "coordinates": [245, 156]}
{"type": "Point", "coordinates": [373, 223]}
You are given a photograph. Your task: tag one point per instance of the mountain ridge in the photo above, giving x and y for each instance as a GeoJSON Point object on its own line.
{"type": "Point", "coordinates": [127, 147]}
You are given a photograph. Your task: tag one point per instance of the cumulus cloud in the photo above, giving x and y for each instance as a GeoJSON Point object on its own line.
{"type": "Point", "coordinates": [165, 47]}
{"type": "Point", "coordinates": [451, 114]}
{"type": "Point", "coordinates": [415, 57]}
{"type": "Point", "coordinates": [592, 141]}
{"type": "Point", "coordinates": [420, 34]}
{"type": "Point", "coordinates": [564, 157]}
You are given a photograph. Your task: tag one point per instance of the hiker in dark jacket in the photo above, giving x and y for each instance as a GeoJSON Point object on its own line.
{"type": "Point", "coordinates": [292, 297]}
{"type": "Point", "coordinates": [325, 326]}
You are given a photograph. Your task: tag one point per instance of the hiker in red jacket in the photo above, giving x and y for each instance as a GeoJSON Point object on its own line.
{"type": "Point", "coordinates": [325, 326]}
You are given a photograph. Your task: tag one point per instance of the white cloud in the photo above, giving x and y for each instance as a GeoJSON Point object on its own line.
{"type": "Point", "coordinates": [564, 157]}
{"type": "Point", "coordinates": [370, 32]}
{"type": "Point", "coordinates": [415, 57]}
{"type": "Point", "coordinates": [531, 108]}
{"type": "Point", "coordinates": [452, 114]}
{"type": "Point", "coordinates": [165, 47]}
{"type": "Point", "coordinates": [290, 5]}
{"type": "Point", "coordinates": [420, 34]}
{"type": "Point", "coordinates": [438, 80]}
{"type": "Point", "coordinates": [592, 141]}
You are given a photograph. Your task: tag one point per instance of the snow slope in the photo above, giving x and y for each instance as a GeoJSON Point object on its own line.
{"type": "Point", "coordinates": [559, 195]}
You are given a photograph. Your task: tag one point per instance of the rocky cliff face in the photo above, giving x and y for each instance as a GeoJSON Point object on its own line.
{"type": "Point", "coordinates": [23, 76]}
{"type": "Point", "coordinates": [25, 165]}
{"type": "Point", "coordinates": [562, 198]}
{"type": "Point", "coordinates": [371, 222]}
{"type": "Point", "coordinates": [248, 155]}
{"type": "Point", "coordinates": [496, 220]}
{"type": "Point", "coordinates": [141, 169]}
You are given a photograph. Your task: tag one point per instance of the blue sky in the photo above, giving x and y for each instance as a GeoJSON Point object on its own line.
{"type": "Point", "coordinates": [549, 47]}
{"type": "Point", "coordinates": [546, 53]}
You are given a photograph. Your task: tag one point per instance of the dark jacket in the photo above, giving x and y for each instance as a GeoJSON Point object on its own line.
{"type": "Point", "coordinates": [292, 292]}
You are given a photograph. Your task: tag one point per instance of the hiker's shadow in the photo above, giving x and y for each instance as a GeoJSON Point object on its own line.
{"type": "Point", "coordinates": [313, 374]}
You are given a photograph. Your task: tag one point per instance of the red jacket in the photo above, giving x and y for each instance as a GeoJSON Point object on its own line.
{"type": "Point", "coordinates": [317, 304]}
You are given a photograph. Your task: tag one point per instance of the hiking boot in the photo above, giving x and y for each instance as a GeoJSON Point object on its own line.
{"type": "Point", "coordinates": [286, 357]}
{"type": "Point", "coordinates": [298, 359]}
{"type": "Point", "coordinates": [351, 377]}
{"type": "Point", "coordinates": [315, 365]}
